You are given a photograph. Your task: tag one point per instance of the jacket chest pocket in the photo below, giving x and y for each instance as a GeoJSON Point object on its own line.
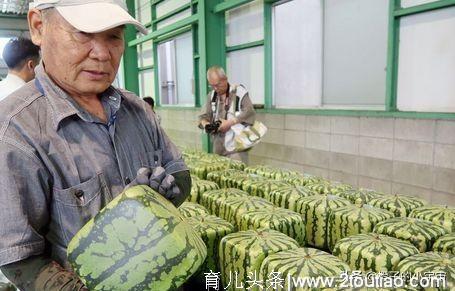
{"type": "Point", "coordinates": [73, 207]}
{"type": "Point", "coordinates": [150, 159]}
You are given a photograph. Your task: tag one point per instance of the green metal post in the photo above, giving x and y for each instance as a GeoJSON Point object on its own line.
{"type": "Point", "coordinates": [211, 44]}
{"type": "Point", "coordinates": [155, 59]}
{"type": "Point", "coordinates": [130, 56]}
{"type": "Point", "coordinates": [392, 57]}
{"type": "Point", "coordinates": [268, 58]}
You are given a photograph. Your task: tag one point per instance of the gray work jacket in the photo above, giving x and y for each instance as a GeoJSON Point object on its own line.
{"type": "Point", "coordinates": [59, 165]}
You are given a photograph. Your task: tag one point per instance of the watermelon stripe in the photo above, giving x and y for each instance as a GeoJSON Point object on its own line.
{"type": "Point", "coordinates": [212, 199]}
{"type": "Point", "coordinates": [189, 209]}
{"type": "Point", "coordinates": [353, 219]}
{"type": "Point", "coordinates": [243, 252]}
{"type": "Point", "coordinates": [283, 220]}
{"type": "Point", "coordinates": [442, 215]}
{"type": "Point", "coordinates": [445, 244]}
{"type": "Point", "coordinates": [373, 252]}
{"type": "Point", "coordinates": [422, 234]}
{"type": "Point", "coordinates": [315, 211]}
{"type": "Point", "coordinates": [400, 206]}
{"type": "Point", "coordinates": [432, 262]}
{"type": "Point", "coordinates": [303, 263]}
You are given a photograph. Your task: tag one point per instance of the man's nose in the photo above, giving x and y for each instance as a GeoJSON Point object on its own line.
{"type": "Point", "coordinates": [100, 50]}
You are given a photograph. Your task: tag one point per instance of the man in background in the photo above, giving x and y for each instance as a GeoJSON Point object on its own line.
{"type": "Point", "coordinates": [227, 105]}
{"type": "Point", "coordinates": [21, 56]}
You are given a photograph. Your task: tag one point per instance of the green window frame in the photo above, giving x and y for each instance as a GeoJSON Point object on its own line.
{"type": "Point", "coordinates": [159, 36]}
{"type": "Point", "coordinates": [208, 26]}
{"type": "Point", "coordinates": [395, 13]}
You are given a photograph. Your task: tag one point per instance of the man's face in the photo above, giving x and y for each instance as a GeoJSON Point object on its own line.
{"type": "Point", "coordinates": [219, 84]}
{"type": "Point", "coordinates": [80, 63]}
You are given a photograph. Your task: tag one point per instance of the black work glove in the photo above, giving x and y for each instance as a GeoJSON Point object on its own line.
{"type": "Point", "coordinates": [158, 180]}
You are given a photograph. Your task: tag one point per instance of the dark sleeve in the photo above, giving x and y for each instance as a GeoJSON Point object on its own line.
{"type": "Point", "coordinates": [206, 113]}
{"type": "Point", "coordinates": [172, 160]}
{"type": "Point", "coordinates": [40, 273]}
{"type": "Point", "coordinates": [183, 181]}
{"type": "Point", "coordinates": [247, 113]}
{"type": "Point", "coordinates": [23, 274]}
{"type": "Point", "coordinates": [24, 195]}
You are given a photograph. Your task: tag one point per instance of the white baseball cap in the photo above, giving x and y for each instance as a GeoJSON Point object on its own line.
{"type": "Point", "coordinates": [91, 16]}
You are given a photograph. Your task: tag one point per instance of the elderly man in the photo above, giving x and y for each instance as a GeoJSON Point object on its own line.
{"type": "Point", "coordinates": [21, 56]}
{"type": "Point", "coordinates": [70, 142]}
{"type": "Point", "coordinates": [227, 104]}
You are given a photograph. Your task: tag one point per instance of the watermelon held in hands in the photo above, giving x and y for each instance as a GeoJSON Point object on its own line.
{"type": "Point", "coordinates": [138, 241]}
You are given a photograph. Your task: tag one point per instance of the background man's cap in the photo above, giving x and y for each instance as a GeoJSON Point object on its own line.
{"type": "Point", "coordinates": [91, 16]}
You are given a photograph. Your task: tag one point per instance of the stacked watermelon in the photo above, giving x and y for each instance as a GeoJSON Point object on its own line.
{"type": "Point", "coordinates": [301, 263]}
{"type": "Point", "coordinates": [360, 196]}
{"type": "Point", "coordinates": [126, 245]}
{"type": "Point", "coordinates": [431, 264]}
{"type": "Point", "coordinates": [229, 163]}
{"type": "Point", "coordinates": [280, 219]}
{"type": "Point", "coordinates": [270, 172]}
{"type": "Point", "coordinates": [236, 181]}
{"type": "Point", "coordinates": [320, 187]}
{"type": "Point", "coordinates": [190, 209]}
{"type": "Point", "coordinates": [330, 221]}
{"type": "Point", "coordinates": [211, 229]}
{"type": "Point", "coordinates": [442, 215]}
{"type": "Point", "coordinates": [337, 187]}
{"type": "Point", "coordinates": [354, 219]}
{"type": "Point", "coordinates": [198, 187]}
{"type": "Point", "coordinates": [242, 253]}
{"type": "Point", "coordinates": [373, 252]}
{"type": "Point", "coordinates": [201, 169]}
{"type": "Point", "coordinates": [262, 188]}
{"type": "Point", "coordinates": [287, 197]}
{"type": "Point", "coordinates": [232, 207]}
{"type": "Point", "coordinates": [445, 244]}
{"type": "Point", "coordinates": [302, 180]}
{"type": "Point", "coordinates": [421, 233]}
{"type": "Point", "coordinates": [400, 206]}
{"type": "Point", "coordinates": [212, 200]}
{"type": "Point", "coordinates": [194, 156]}
{"type": "Point", "coordinates": [315, 211]}
{"type": "Point", "coordinates": [220, 176]}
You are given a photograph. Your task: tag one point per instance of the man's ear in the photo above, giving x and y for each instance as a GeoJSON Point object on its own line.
{"type": "Point", "coordinates": [36, 26]}
{"type": "Point", "coordinates": [31, 64]}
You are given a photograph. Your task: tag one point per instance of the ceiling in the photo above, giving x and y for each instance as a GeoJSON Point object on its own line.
{"type": "Point", "coordinates": [14, 6]}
